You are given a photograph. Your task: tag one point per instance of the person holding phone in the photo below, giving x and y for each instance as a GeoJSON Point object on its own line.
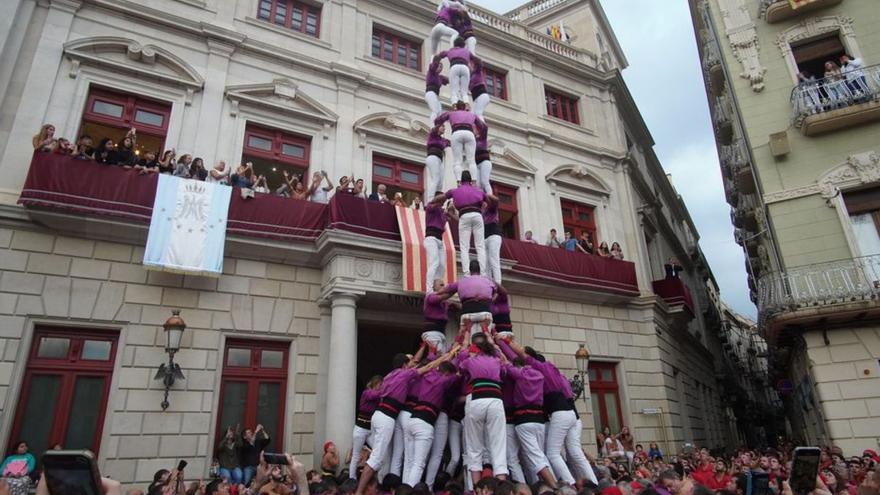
{"type": "Point", "coordinates": [227, 455]}
{"type": "Point", "coordinates": [252, 443]}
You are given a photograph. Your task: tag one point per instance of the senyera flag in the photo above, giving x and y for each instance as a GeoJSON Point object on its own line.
{"type": "Point", "coordinates": [188, 228]}
{"type": "Point", "coordinates": [415, 261]}
{"type": "Point", "coordinates": [796, 4]}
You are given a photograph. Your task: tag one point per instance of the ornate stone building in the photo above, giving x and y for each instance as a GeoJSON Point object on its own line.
{"type": "Point", "coordinates": [307, 310]}
{"type": "Point", "coordinates": [799, 154]}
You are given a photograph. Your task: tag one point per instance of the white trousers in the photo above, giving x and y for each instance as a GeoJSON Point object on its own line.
{"type": "Point", "coordinates": [575, 453]}
{"type": "Point", "coordinates": [419, 436]}
{"type": "Point", "coordinates": [484, 426]}
{"type": "Point", "coordinates": [358, 438]}
{"type": "Point", "coordinates": [437, 32]}
{"type": "Point", "coordinates": [561, 423]}
{"type": "Point", "coordinates": [513, 465]}
{"type": "Point", "coordinates": [493, 258]}
{"type": "Point", "coordinates": [435, 253]}
{"type": "Point", "coordinates": [471, 224]}
{"type": "Point", "coordinates": [382, 433]}
{"type": "Point", "coordinates": [433, 101]}
{"type": "Point", "coordinates": [441, 434]}
{"type": "Point", "coordinates": [455, 433]}
{"type": "Point", "coordinates": [531, 445]}
{"type": "Point", "coordinates": [480, 104]}
{"type": "Point", "coordinates": [399, 446]}
{"type": "Point", "coordinates": [459, 79]}
{"type": "Point", "coordinates": [464, 147]}
{"type": "Point", "coordinates": [484, 172]}
{"type": "Point", "coordinates": [434, 164]}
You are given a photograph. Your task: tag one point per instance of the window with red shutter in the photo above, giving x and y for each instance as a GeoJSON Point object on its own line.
{"type": "Point", "coordinates": [508, 211]}
{"type": "Point", "coordinates": [398, 176]}
{"type": "Point", "coordinates": [273, 152]}
{"type": "Point", "coordinates": [112, 114]}
{"type": "Point", "coordinates": [605, 396]}
{"type": "Point", "coordinates": [297, 16]}
{"type": "Point", "coordinates": [397, 49]}
{"type": "Point", "coordinates": [562, 106]}
{"type": "Point", "coordinates": [496, 83]}
{"type": "Point", "coordinates": [578, 218]}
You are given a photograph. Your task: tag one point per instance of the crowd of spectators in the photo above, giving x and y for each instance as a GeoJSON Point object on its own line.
{"type": "Point", "coordinates": [583, 245]}
{"type": "Point", "coordinates": [622, 468]}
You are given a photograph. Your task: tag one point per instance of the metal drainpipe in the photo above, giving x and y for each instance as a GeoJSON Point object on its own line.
{"type": "Point", "coordinates": [740, 126]}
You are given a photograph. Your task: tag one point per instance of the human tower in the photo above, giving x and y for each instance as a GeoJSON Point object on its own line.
{"type": "Point", "coordinates": [489, 401]}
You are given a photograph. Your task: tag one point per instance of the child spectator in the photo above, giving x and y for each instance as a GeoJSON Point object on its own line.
{"type": "Point", "coordinates": [197, 170]}
{"type": "Point", "coordinates": [148, 164]}
{"type": "Point", "coordinates": [105, 153]}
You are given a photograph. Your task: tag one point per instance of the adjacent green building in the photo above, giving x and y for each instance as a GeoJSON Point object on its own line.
{"type": "Point", "coordinates": [794, 93]}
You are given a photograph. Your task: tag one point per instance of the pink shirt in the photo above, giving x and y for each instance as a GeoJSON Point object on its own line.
{"type": "Point", "coordinates": [434, 308]}
{"type": "Point", "coordinates": [466, 195]}
{"type": "Point", "coordinates": [458, 52]}
{"type": "Point", "coordinates": [473, 287]}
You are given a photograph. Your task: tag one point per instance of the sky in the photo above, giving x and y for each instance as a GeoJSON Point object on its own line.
{"type": "Point", "coordinates": [664, 77]}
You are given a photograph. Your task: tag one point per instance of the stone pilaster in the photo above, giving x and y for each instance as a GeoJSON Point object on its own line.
{"type": "Point", "coordinates": [342, 370]}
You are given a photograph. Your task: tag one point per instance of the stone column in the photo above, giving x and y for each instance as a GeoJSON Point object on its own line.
{"type": "Point", "coordinates": [342, 371]}
{"type": "Point", "coordinates": [323, 368]}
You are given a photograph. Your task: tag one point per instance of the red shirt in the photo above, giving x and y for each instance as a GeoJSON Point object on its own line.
{"type": "Point", "coordinates": [714, 483]}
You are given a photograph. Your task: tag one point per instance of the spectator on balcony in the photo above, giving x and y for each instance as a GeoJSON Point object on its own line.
{"type": "Point", "coordinates": [125, 154]}
{"type": "Point", "coordinates": [616, 251]}
{"type": "Point", "coordinates": [63, 147]}
{"type": "Point", "coordinates": [227, 455]}
{"type": "Point", "coordinates": [554, 241]}
{"type": "Point", "coordinates": [182, 167]}
{"type": "Point", "coordinates": [318, 193]}
{"type": "Point", "coordinates": [527, 237]}
{"type": "Point", "coordinates": [197, 170]}
{"type": "Point", "coordinates": [261, 186]}
{"type": "Point", "coordinates": [672, 267]}
{"type": "Point", "coordinates": [585, 244]}
{"type": "Point", "coordinates": [106, 153]}
{"type": "Point", "coordinates": [219, 174]}
{"type": "Point", "coordinates": [831, 82]}
{"type": "Point", "coordinates": [417, 203]}
{"type": "Point", "coordinates": [855, 77]}
{"type": "Point", "coordinates": [570, 243]}
{"type": "Point", "coordinates": [379, 194]}
{"type": "Point", "coordinates": [398, 200]}
{"type": "Point", "coordinates": [166, 164]}
{"type": "Point", "coordinates": [45, 139]}
{"type": "Point", "coordinates": [148, 163]}
{"type": "Point", "coordinates": [604, 251]}
{"type": "Point", "coordinates": [243, 177]}
{"type": "Point", "coordinates": [84, 148]}
{"type": "Point", "coordinates": [345, 185]}
{"type": "Point", "coordinates": [359, 190]}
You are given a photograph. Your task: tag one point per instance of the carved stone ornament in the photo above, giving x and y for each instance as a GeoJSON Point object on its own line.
{"type": "Point", "coordinates": [743, 37]}
{"type": "Point", "coordinates": [402, 122]}
{"type": "Point", "coordinates": [395, 125]}
{"type": "Point", "coordinates": [364, 268]}
{"type": "Point", "coordinates": [858, 170]}
{"type": "Point", "coordinates": [280, 95]}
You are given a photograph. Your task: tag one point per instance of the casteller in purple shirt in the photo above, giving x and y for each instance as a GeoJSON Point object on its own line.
{"type": "Point", "coordinates": [466, 196]}
{"type": "Point", "coordinates": [472, 288]}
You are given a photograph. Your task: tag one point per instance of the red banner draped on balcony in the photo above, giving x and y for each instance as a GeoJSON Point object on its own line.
{"type": "Point", "coordinates": [675, 293]}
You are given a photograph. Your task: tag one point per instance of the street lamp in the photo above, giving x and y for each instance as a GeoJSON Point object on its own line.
{"type": "Point", "coordinates": [174, 328]}
{"type": "Point", "coordinates": [578, 383]}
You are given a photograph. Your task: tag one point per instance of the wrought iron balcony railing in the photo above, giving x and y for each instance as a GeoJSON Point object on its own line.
{"type": "Point", "coordinates": [819, 285]}
{"type": "Point", "coordinates": [817, 96]}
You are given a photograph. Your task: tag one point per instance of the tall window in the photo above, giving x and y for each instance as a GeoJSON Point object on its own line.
{"type": "Point", "coordinates": [65, 389]}
{"type": "Point", "coordinates": [864, 216]}
{"type": "Point", "coordinates": [397, 49]}
{"type": "Point", "coordinates": [111, 114]}
{"type": "Point", "coordinates": [398, 176]}
{"type": "Point", "coordinates": [562, 106]}
{"type": "Point", "coordinates": [253, 387]}
{"type": "Point", "coordinates": [496, 83]}
{"type": "Point", "coordinates": [507, 210]}
{"type": "Point", "coordinates": [298, 16]}
{"type": "Point", "coordinates": [578, 218]}
{"type": "Point", "coordinates": [273, 152]}
{"type": "Point", "coordinates": [605, 396]}
{"type": "Point", "coordinates": [812, 54]}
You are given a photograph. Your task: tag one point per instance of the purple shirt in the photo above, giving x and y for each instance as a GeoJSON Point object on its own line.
{"type": "Point", "coordinates": [501, 305]}
{"type": "Point", "coordinates": [528, 385]}
{"type": "Point", "coordinates": [435, 217]}
{"type": "Point", "coordinates": [397, 383]}
{"type": "Point", "coordinates": [369, 401]}
{"type": "Point", "coordinates": [474, 287]}
{"type": "Point", "coordinates": [433, 387]}
{"type": "Point", "coordinates": [480, 366]}
{"type": "Point", "coordinates": [490, 213]}
{"type": "Point", "coordinates": [435, 308]}
{"type": "Point", "coordinates": [445, 15]}
{"type": "Point", "coordinates": [436, 140]}
{"type": "Point", "coordinates": [553, 379]}
{"type": "Point", "coordinates": [478, 77]}
{"type": "Point", "coordinates": [434, 77]}
{"type": "Point", "coordinates": [466, 195]}
{"type": "Point", "coordinates": [482, 137]}
{"type": "Point", "coordinates": [460, 117]}
{"type": "Point", "coordinates": [458, 52]}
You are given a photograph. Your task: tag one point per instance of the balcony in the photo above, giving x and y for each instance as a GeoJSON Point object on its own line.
{"type": "Point", "coordinates": [712, 65]}
{"type": "Point", "coordinates": [79, 196]}
{"type": "Point", "coordinates": [774, 11]}
{"type": "Point", "coordinates": [736, 162]}
{"type": "Point", "coordinates": [827, 105]}
{"type": "Point", "coordinates": [823, 293]}
{"type": "Point", "coordinates": [722, 116]}
{"type": "Point", "coordinates": [745, 213]}
{"type": "Point", "coordinates": [676, 294]}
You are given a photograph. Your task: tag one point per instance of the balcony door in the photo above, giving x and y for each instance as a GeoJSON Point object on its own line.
{"type": "Point", "coordinates": [65, 390]}
{"type": "Point", "coordinates": [863, 207]}
{"type": "Point", "coordinates": [110, 114]}
{"type": "Point", "coordinates": [605, 397]}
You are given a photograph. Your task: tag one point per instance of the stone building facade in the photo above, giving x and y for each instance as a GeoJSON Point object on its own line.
{"type": "Point", "coordinates": [799, 155]}
{"type": "Point", "coordinates": [295, 325]}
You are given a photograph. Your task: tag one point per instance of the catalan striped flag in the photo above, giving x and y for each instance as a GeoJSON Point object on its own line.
{"type": "Point", "coordinates": [415, 261]}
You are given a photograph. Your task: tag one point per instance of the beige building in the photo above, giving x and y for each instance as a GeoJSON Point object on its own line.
{"type": "Point", "coordinates": [304, 314]}
{"type": "Point", "coordinates": [798, 140]}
